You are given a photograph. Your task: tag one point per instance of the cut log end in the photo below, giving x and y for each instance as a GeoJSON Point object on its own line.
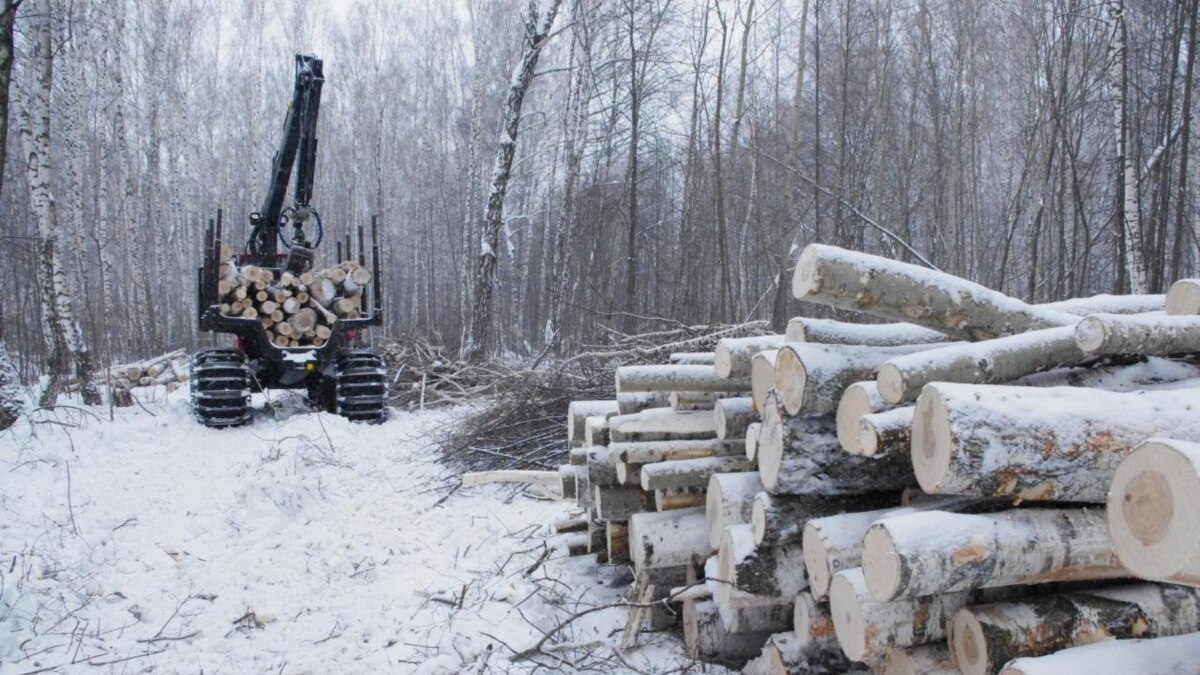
{"type": "Point", "coordinates": [1154, 511]}
{"type": "Point", "coordinates": [848, 620]}
{"type": "Point", "coordinates": [883, 571]}
{"type": "Point", "coordinates": [1090, 333]}
{"type": "Point", "coordinates": [806, 279]}
{"type": "Point", "coordinates": [816, 562]}
{"type": "Point", "coordinates": [722, 360]}
{"type": "Point", "coordinates": [1184, 297]}
{"type": "Point", "coordinates": [932, 444]}
{"type": "Point", "coordinates": [855, 402]}
{"type": "Point", "coordinates": [762, 377]}
{"type": "Point", "coordinates": [790, 380]}
{"type": "Point", "coordinates": [968, 643]}
{"type": "Point", "coordinates": [890, 382]}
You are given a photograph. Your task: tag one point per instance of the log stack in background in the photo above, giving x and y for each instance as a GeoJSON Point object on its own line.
{"type": "Point", "coordinates": [295, 310]}
{"type": "Point", "coordinates": [169, 370]}
{"type": "Point", "coordinates": [923, 496]}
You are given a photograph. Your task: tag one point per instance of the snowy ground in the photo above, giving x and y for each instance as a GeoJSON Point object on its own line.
{"type": "Point", "coordinates": [298, 544]}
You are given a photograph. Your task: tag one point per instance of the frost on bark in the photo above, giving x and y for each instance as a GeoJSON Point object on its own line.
{"type": "Point", "coordinates": [63, 336]}
{"type": "Point", "coordinates": [480, 340]}
{"type": "Point", "coordinates": [1130, 214]}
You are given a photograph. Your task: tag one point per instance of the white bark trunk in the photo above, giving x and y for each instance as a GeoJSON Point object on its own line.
{"type": "Point", "coordinates": [1153, 334]}
{"type": "Point", "coordinates": [830, 332]}
{"type": "Point", "coordinates": [733, 356]}
{"type": "Point", "coordinates": [636, 402]}
{"type": "Point", "coordinates": [667, 539]}
{"type": "Point", "coordinates": [1162, 656]}
{"type": "Point", "coordinates": [690, 472]}
{"type": "Point", "coordinates": [706, 638]}
{"type": "Point", "coordinates": [675, 378]}
{"type": "Point", "coordinates": [665, 451]}
{"type": "Point", "coordinates": [1154, 511]}
{"type": "Point", "coordinates": [762, 377]}
{"type": "Point", "coordinates": [940, 552]}
{"type": "Point", "coordinates": [904, 292]}
{"type": "Point", "coordinates": [661, 424]}
{"type": "Point", "coordinates": [1183, 299]}
{"type": "Point", "coordinates": [729, 500]}
{"type": "Point", "coordinates": [579, 411]}
{"type": "Point", "coordinates": [859, 399]}
{"type": "Point", "coordinates": [731, 416]}
{"type": "Point", "coordinates": [1110, 304]}
{"type": "Point", "coordinates": [885, 433]}
{"type": "Point", "coordinates": [1056, 443]}
{"type": "Point", "coordinates": [811, 378]}
{"type": "Point", "coordinates": [767, 571]}
{"type": "Point", "coordinates": [780, 519]}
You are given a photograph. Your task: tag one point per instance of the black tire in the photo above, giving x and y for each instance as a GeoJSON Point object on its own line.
{"type": "Point", "coordinates": [220, 386]}
{"type": "Point", "coordinates": [361, 386]}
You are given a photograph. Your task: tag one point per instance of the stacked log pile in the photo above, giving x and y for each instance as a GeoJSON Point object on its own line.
{"type": "Point", "coordinates": [169, 370]}
{"type": "Point", "coordinates": [922, 496]}
{"type": "Point", "coordinates": [295, 310]}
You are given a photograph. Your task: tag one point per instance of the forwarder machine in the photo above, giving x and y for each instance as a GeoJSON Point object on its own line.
{"type": "Point", "coordinates": [340, 375]}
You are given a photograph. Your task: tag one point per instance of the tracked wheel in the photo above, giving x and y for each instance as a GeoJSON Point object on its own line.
{"type": "Point", "coordinates": [361, 386]}
{"type": "Point", "coordinates": [220, 386]}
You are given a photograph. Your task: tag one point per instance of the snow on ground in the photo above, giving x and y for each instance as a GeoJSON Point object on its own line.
{"type": "Point", "coordinates": [301, 543]}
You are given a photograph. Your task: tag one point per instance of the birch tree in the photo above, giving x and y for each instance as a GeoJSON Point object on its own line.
{"type": "Point", "coordinates": [64, 337]}
{"type": "Point", "coordinates": [480, 340]}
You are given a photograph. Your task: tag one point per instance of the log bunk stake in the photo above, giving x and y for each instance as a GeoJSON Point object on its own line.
{"type": "Point", "coordinates": [982, 485]}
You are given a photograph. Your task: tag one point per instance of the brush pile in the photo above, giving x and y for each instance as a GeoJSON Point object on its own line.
{"type": "Point", "coordinates": [981, 486]}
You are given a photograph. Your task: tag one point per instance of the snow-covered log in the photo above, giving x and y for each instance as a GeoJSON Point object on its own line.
{"type": "Point", "coordinates": [941, 552]}
{"type": "Point", "coordinates": [1138, 334]}
{"type": "Point", "coordinates": [733, 355]}
{"type": "Point", "coordinates": [668, 500]}
{"type": "Point", "coordinates": [636, 402]}
{"type": "Point", "coordinates": [1110, 304]}
{"type": "Point", "coordinates": [579, 411]}
{"type": "Point", "coordinates": [667, 539]}
{"type": "Point", "coordinates": [1056, 443]}
{"type": "Point", "coordinates": [762, 377]}
{"type": "Point", "coordinates": [601, 472]}
{"type": "Point", "coordinates": [985, 637]}
{"type": "Point", "coordinates": [628, 473]}
{"type": "Point", "coordinates": [835, 542]}
{"type": "Point", "coordinates": [930, 659]}
{"type": "Point", "coordinates": [690, 472]}
{"type": "Point", "coordinates": [801, 455]}
{"type": "Point", "coordinates": [772, 571]}
{"type": "Point", "coordinates": [756, 613]}
{"type": "Point", "coordinates": [753, 430]}
{"type": "Point", "coordinates": [1154, 511]}
{"type": "Point", "coordinates": [866, 628]}
{"type": "Point", "coordinates": [780, 519]}
{"type": "Point", "coordinates": [1183, 298]}
{"type": "Point", "coordinates": [901, 379]}
{"type": "Point", "coordinates": [684, 401]}
{"type": "Point", "coordinates": [616, 542]}
{"type": "Point", "coordinates": [706, 638]}
{"type": "Point", "coordinates": [1176, 655]}
{"type": "Point", "coordinates": [647, 452]}
{"type": "Point", "coordinates": [693, 358]}
{"type": "Point", "coordinates": [661, 424]}
{"type": "Point", "coordinates": [811, 378]}
{"type": "Point", "coordinates": [731, 416]}
{"type": "Point", "coordinates": [904, 292]}
{"type": "Point", "coordinates": [860, 398]}
{"type": "Point", "coordinates": [812, 623]}
{"type": "Point", "coordinates": [729, 500]}
{"type": "Point", "coordinates": [670, 378]}
{"type": "Point", "coordinates": [619, 503]}
{"type": "Point", "coordinates": [595, 430]}
{"type": "Point", "coordinates": [784, 654]}
{"type": "Point", "coordinates": [830, 332]}
{"type": "Point", "coordinates": [885, 433]}
{"type": "Point", "coordinates": [566, 480]}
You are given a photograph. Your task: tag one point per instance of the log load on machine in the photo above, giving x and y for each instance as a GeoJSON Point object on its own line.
{"type": "Point", "coordinates": [296, 327]}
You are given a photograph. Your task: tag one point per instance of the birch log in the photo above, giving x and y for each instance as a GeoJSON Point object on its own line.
{"type": "Point", "coordinates": [941, 552]}
{"type": "Point", "coordinates": [706, 638]}
{"type": "Point", "coordinates": [801, 455]}
{"type": "Point", "coordinates": [684, 401]}
{"type": "Point", "coordinates": [784, 654]}
{"type": "Point", "coordinates": [579, 411]}
{"type": "Point", "coordinates": [811, 378]}
{"type": "Point", "coordinates": [1176, 655]}
{"type": "Point", "coordinates": [1110, 304]}
{"type": "Point", "coordinates": [636, 402]}
{"type": "Point", "coordinates": [762, 377]}
{"type": "Point", "coordinates": [1056, 443]}
{"type": "Point", "coordinates": [729, 500]}
{"type": "Point", "coordinates": [904, 292]}
{"type": "Point", "coordinates": [595, 430]}
{"type": "Point", "coordinates": [616, 542]}
{"type": "Point", "coordinates": [732, 356]}
{"type": "Point", "coordinates": [667, 539]}
{"type": "Point", "coordinates": [780, 519]}
{"type": "Point", "coordinates": [690, 472]}
{"type": "Point", "coordinates": [692, 358]}
{"type": "Point", "coordinates": [770, 571]}
{"type": "Point", "coordinates": [885, 433]}
{"type": "Point", "coordinates": [1154, 511]}
{"type": "Point", "coordinates": [866, 628]}
{"type": "Point", "coordinates": [647, 452]}
{"type": "Point", "coordinates": [985, 637]}
{"type": "Point", "coordinates": [619, 503]}
{"type": "Point", "coordinates": [1183, 299]}
{"type": "Point", "coordinates": [753, 431]}
{"type": "Point", "coordinates": [813, 624]}
{"type": "Point", "coordinates": [834, 543]}
{"type": "Point", "coordinates": [830, 332]}
{"type": "Point", "coordinates": [661, 424]}
{"type": "Point", "coordinates": [860, 398]}
{"type": "Point", "coordinates": [1003, 359]}
{"type": "Point", "coordinates": [731, 416]}
{"type": "Point", "coordinates": [601, 472]}
{"type": "Point", "coordinates": [1138, 334]}
{"type": "Point", "coordinates": [676, 378]}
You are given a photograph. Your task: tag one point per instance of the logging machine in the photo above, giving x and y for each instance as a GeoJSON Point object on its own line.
{"type": "Point", "coordinates": [339, 373]}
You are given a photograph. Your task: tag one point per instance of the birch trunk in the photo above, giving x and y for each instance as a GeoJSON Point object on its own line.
{"type": "Point", "coordinates": [767, 571]}
{"type": "Point", "coordinates": [811, 378]}
{"type": "Point", "coordinates": [903, 292]}
{"type": "Point", "coordinates": [1161, 656]}
{"type": "Point", "coordinates": [732, 356]}
{"type": "Point", "coordinates": [731, 417]}
{"type": "Point", "coordinates": [690, 472]}
{"type": "Point", "coordinates": [886, 433]}
{"type": "Point", "coordinates": [668, 539]}
{"type": "Point", "coordinates": [661, 424]}
{"type": "Point", "coordinates": [1117, 334]}
{"type": "Point", "coordinates": [779, 519]}
{"type": "Point", "coordinates": [940, 552]}
{"type": "Point", "coordinates": [670, 378]}
{"type": "Point", "coordinates": [1055, 443]}
{"type": "Point", "coordinates": [579, 411]}
{"type": "Point", "coordinates": [830, 332]}
{"type": "Point", "coordinates": [665, 451]}
{"type": "Point", "coordinates": [729, 500]}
